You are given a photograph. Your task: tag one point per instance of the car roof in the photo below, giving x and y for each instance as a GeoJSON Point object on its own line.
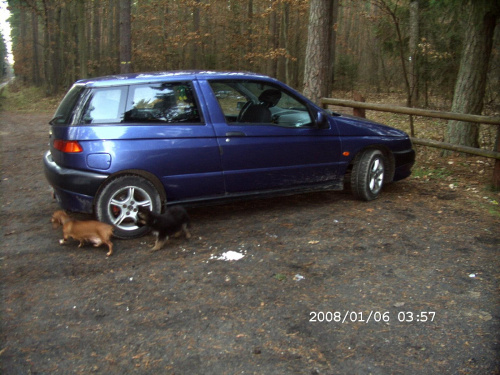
{"type": "Point", "coordinates": [149, 77]}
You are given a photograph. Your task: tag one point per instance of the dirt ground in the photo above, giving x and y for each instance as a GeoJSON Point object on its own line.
{"type": "Point", "coordinates": [406, 284]}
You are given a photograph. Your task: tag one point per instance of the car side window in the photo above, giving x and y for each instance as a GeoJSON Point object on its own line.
{"type": "Point", "coordinates": [104, 105]}
{"type": "Point", "coordinates": [253, 102]}
{"type": "Point", "coordinates": [230, 99]}
{"type": "Point", "coordinates": [162, 103]}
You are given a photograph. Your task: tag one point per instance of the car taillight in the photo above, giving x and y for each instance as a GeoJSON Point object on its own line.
{"type": "Point", "coordinates": [67, 146]}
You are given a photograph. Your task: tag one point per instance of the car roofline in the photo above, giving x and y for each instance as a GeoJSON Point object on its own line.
{"type": "Point", "coordinates": [151, 77]}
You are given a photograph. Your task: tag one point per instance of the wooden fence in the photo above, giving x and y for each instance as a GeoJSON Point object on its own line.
{"type": "Point", "coordinates": [325, 102]}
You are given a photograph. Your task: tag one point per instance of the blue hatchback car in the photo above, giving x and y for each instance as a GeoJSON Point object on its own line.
{"type": "Point", "coordinates": [148, 139]}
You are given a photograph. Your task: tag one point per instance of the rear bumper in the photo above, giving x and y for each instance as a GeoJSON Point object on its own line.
{"type": "Point", "coordinates": [74, 190]}
{"type": "Point", "coordinates": [74, 202]}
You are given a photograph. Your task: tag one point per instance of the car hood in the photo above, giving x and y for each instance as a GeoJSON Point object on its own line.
{"type": "Point", "coordinates": [356, 126]}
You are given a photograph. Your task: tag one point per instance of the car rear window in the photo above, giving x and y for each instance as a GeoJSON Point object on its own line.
{"type": "Point", "coordinates": [65, 111]}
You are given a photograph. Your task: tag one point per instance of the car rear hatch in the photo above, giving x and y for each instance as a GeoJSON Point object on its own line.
{"type": "Point", "coordinates": [60, 142]}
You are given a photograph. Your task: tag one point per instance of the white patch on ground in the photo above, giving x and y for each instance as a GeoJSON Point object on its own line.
{"type": "Point", "coordinates": [228, 256]}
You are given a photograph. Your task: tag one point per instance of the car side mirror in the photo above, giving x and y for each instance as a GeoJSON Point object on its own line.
{"type": "Point", "coordinates": [322, 120]}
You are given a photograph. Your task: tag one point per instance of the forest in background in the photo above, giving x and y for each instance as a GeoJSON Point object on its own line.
{"type": "Point", "coordinates": [56, 42]}
{"type": "Point", "coordinates": [3, 56]}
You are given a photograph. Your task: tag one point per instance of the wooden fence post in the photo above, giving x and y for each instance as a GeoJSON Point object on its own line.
{"type": "Point", "coordinates": [359, 112]}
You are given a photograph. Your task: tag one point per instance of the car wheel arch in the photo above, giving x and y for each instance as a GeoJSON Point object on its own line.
{"type": "Point", "coordinates": [360, 180]}
{"type": "Point", "coordinates": [139, 173]}
{"type": "Point", "coordinates": [388, 156]}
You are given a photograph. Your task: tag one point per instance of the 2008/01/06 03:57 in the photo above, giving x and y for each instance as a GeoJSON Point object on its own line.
{"type": "Point", "coordinates": [372, 316]}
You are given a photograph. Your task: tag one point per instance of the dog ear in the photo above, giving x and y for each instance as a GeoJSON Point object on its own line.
{"type": "Point", "coordinates": [56, 223]}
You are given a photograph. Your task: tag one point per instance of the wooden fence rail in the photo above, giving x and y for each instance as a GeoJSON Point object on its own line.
{"type": "Point", "coordinates": [325, 102]}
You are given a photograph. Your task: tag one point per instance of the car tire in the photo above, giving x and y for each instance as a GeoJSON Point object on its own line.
{"type": "Point", "coordinates": [119, 200]}
{"type": "Point", "coordinates": [367, 175]}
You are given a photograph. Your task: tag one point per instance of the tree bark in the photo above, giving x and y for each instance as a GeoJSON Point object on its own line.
{"type": "Point", "coordinates": [392, 10]}
{"type": "Point", "coordinates": [317, 67]}
{"type": "Point", "coordinates": [414, 38]}
{"type": "Point", "coordinates": [23, 42]}
{"type": "Point", "coordinates": [195, 56]}
{"type": "Point", "coordinates": [272, 68]}
{"type": "Point", "coordinates": [333, 43]}
{"type": "Point", "coordinates": [471, 81]}
{"type": "Point", "coordinates": [125, 37]}
{"type": "Point", "coordinates": [96, 37]}
{"type": "Point", "coordinates": [36, 53]}
{"type": "Point", "coordinates": [82, 39]}
{"type": "Point", "coordinates": [51, 18]}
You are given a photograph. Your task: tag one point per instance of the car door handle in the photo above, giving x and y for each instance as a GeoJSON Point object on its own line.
{"type": "Point", "coordinates": [235, 134]}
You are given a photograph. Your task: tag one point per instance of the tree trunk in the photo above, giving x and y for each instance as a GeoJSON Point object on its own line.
{"type": "Point", "coordinates": [96, 38]}
{"type": "Point", "coordinates": [195, 55]}
{"type": "Point", "coordinates": [23, 42]}
{"type": "Point", "coordinates": [285, 26]}
{"type": "Point", "coordinates": [249, 32]}
{"type": "Point", "coordinates": [471, 81]}
{"type": "Point", "coordinates": [272, 68]}
{"type": "Point", "coordinates": [392, 11]}
{"type": "Point", "coordinates": [82, 39]}
{"type": "Point", "coordinates": [51, 18]}
{"type": "Point", "coordinates": [125, 37]}
{"type": "Point", "coordinates": [333, 43]}
{"type": "Point", "coordinates": [414, 38]}
{"type": "Point", "coordinates": [316, 71]}
{"type": "Point", "coordinates": [67, 33]}
{"type": "Point", "coordinates": [36, 53]}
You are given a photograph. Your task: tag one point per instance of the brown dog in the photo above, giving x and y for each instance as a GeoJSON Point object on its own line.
{"type": "Point", "coordinates": [92, 231]}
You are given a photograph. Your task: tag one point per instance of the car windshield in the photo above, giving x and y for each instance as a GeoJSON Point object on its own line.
{"type": "Point", "coordinates": [64, 112]}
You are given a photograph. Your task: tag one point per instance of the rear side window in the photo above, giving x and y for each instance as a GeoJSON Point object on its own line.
{"type": "Point", "coordinates": [172, 102]}
{"type": "Point", "coordinates": [105, 106]}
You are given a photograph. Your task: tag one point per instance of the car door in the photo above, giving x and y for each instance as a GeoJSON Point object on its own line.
{"type": "Point", "coordinates": [283, 151]}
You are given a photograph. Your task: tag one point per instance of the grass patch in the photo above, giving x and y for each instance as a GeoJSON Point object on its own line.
{"type": "Point", "coordinates": [431, 173]}
{"type": "Point", "coordinates": [494, 211]}
{"type": "Point", "coordinates": [493, 206]}
{"type": "Point", "coordinates": [30, 99]}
